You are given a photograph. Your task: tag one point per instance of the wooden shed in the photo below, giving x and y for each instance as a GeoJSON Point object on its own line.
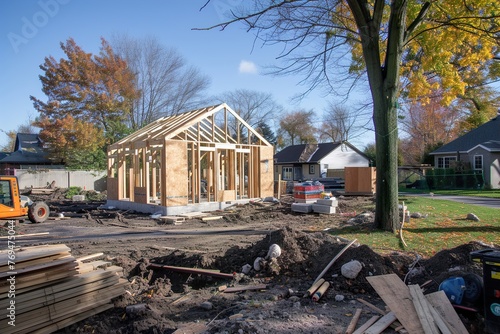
{"type": "Point", "coordinates": [207, 155]}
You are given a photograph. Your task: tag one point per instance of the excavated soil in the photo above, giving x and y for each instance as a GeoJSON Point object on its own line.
{"type": "Point", "coordinates": [165, 301]}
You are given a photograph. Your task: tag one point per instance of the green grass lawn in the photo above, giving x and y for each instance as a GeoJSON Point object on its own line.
{"type": "Point", "coordinates": [493, 193]}
{"type": "Point", "coordinates": [444, 227]}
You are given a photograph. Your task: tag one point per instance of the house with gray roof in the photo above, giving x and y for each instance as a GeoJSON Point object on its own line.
{"type": "Point", "coordinates": [311, 161]}
{"type": "Point", "coordinates": [28, 153]}
{"type": "Point", "coordinates": [478, 150]}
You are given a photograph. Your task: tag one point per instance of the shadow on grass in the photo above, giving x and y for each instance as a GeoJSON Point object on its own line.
{"type": "Point", "coordinates": [454, 229]}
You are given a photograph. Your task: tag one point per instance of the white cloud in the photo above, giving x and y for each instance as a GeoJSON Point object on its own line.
{"type": "Point", "coordinates": [247, 67]}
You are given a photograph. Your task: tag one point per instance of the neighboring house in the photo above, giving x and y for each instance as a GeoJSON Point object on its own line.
{"type": "Point", "coordinates": [28, 154]}
{"type": "Point", "coordinates": [478, 149]}
{"type": "Point", "coordinates": [200, 160]}
{"type": "Point", "coordinates": [311, 161]}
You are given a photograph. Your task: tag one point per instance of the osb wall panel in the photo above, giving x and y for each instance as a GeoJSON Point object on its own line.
{"type": "Point", "coordinates": [360, 180]}
{"type": "Point", "coordinates": [112, 190]}
{"type": "Point", "coordinates": [266, 171]}
{"type": "Point", "coordinates": [227, 195]}
{"type": "Point", "coordinates": [141, 195]}
{"type": "Point", "coordinates": [176, 171]}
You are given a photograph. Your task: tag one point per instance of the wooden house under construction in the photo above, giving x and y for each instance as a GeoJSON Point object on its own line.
{"type": "Point", "coordinates": [200, 160]}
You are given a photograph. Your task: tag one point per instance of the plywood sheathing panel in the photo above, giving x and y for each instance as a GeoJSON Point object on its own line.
{"type": "Point", "coordinates": [176, 171]}
{"type": "Point", "coordinates": [266, 173]}
{"type": "Point", "coordinates": [360, 180]}
{"type": "Point", "coordinates": [113, 188]}
{"type": "Point", "coordinates": [140, 195]}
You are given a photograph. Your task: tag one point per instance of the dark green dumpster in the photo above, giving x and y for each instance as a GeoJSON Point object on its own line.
{"type": "Point", "coordinates": [490, 258]}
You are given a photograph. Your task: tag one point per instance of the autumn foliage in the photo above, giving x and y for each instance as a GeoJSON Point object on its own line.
{"type": "Point", "coordinates": [86, 96]}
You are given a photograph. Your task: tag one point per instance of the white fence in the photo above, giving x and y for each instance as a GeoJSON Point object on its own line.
{"type": "Point", "coordinates": [88, 180]}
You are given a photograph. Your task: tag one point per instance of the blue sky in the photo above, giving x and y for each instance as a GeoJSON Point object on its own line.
{"type": "Point", "coordinates": [31, 30]}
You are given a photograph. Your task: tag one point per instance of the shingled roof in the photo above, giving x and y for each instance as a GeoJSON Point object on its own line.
{"type": "Point", "coordinates": [486, 135]}
{"type": "Point", "coordinates": [28, 149]}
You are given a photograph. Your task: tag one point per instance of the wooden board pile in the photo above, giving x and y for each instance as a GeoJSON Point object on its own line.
{"type": "Point", "coordinates": [410, 311]}
{"type": "Point", "coordinates": [44, 288]}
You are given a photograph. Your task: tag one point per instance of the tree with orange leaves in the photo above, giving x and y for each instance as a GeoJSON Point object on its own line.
{"type": "Point", "coordinates": [87, 97]}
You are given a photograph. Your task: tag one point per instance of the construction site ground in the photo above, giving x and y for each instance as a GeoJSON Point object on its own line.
{"type": "Point", "coordinates": [174, 302]}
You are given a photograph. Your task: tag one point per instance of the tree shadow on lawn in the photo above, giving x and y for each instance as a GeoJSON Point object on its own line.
{"type": "Point", "coordinates": [459, 229]}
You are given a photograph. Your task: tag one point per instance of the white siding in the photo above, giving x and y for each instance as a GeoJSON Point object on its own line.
{"type": "Point", "coordinates": [342, 157]}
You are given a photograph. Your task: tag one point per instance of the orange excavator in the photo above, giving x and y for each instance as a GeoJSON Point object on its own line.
{"type": "Point", "coordinates": [17, 207]}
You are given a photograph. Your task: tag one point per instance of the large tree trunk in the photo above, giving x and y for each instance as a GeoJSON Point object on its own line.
{"type": "Point", "coordinates": [387, 211]}
{"type": "Point", "coordinates": [384, 86]}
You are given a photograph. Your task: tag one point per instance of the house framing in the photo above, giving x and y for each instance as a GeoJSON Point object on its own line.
{"type": "Point", "coordinates": [207, 155]}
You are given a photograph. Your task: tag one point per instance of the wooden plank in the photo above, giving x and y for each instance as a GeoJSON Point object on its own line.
{"type": "Point", "coordinates": [354, 322]}
{"type": "Point", "coordinates": [211, 218]}
{"type": "Point", "coordinates": [28, 263]}
{"type": "Point", "coordinates": [73, 319]}
{"type": "Point", "coordinates": [193, 214]}
{"type": "Point", "coordinates": [246, 288]}
{"type": "Point", "coordinates": [366, 325]}
{"type": "Point", "coordinates": [397, 296]}
{"type": "Point", "coordinates": [61, 286]}
{"type": "Point", "coordinates": [334, 259]}
{"type": "Point", "coordinates": [442, 324]}
{"type": "Point", "coordinates": [28, 304]}
{"type": "Point", "coordinates": [26, 235]}
{"type": "Point", "coordinates": [100, 263]}
{"type": "Point", "coordinates": [89, 257]}
{"type": "Point", "coordinates": [34, 252]}
{"type": "Point", "coordinates": [32, 281]}
{"type": "Point", "coordinates": [53, 312]}
{"type": "Point", "coordinates": [443, 306]}
{"type": "Point", "coordinates": [422, 308]}
{"type": "Point", "coordinates": [382, 324]}
{"type": "Point", "coordinates": [40, 266]}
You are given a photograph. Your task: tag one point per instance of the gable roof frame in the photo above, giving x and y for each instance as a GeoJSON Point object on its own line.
{"type": "Point", "coordinates": [169, 127]}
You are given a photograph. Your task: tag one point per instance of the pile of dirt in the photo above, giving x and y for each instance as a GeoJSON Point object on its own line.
{"type": "Point", "coordinates": [172, 300]}
{"type": "Point", "coordinates": [163, 301]}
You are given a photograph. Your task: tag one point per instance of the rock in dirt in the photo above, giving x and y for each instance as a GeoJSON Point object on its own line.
{"type": "Point", "coordinates": [351, 269]}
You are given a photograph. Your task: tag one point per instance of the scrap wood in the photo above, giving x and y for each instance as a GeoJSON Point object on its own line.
{"type": "Point", "coordinates": [89, 257]}
{"type": "Point", "coordinates": [196, 214]}
{"type": "Point", "coordinates": [423, 311]}
{"type": "Point", "coordinates": [366, 325]}
{"type": "Point", "coordinates": [178, 249]}
{"type": "Point", "coordinates": [382, 324]}
{"type": "Point", "coordinates": [26, 235]}
{"type": "Point", "coordinates": [192, 270]}
{"type": "Point", "coordinates": [333, 260]}
{"type": "Point", "coordinates": [211, 218]}
{"type": "Point", "coordinates": [443, 306]}
{"type": "Point", "coordinates": [396, 325]}
{"type": "Point", "coordinates": [373, 307]}
{"type": "Point", "coordinates": [397, 296]}
{"type": "Point", "coordinates": [441, 323]}
{"type": "Point", "coordinates": [246, 288]}
{"type": "Point", "coordinates": [354, 322]}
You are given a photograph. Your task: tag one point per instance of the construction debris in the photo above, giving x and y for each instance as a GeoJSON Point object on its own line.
{"type": "Point", "coordinates": [416, 313]}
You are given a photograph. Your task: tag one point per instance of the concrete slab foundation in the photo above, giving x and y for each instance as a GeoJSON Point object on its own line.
{"type": "Point", "coordinates": [173, 210]}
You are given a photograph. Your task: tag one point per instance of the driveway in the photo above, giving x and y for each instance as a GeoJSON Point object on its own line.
{"type": "Point", "coordinates": [482, 201]}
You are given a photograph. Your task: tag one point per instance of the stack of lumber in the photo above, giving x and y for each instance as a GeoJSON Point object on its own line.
{"type": "Point", "coordinates": [47, 289]}
{"type": "Point", "coordinates": [410, 311]}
